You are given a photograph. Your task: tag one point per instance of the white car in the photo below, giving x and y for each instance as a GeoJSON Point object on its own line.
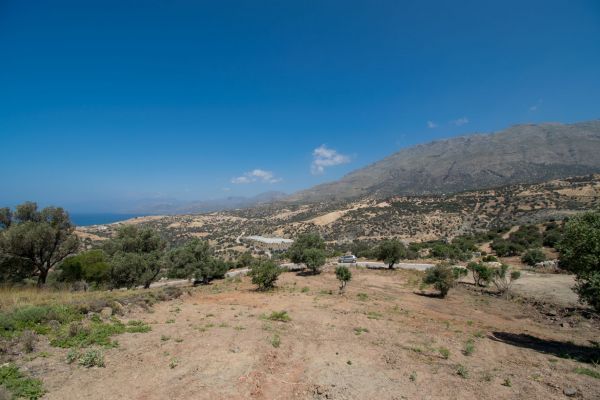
{"type": "Point", "coordinates": [347, 259]}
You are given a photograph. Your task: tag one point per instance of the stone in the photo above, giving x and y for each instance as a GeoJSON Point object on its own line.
{"type": "Point", "coordinates": [569, 391]}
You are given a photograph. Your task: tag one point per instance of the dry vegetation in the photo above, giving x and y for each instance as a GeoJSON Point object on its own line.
{"type": "Point", "coordinates": [384, 338]}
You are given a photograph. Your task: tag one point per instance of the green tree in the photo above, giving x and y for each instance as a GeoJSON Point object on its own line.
{"type": "Point", "coordinates": [343, 274]}
{"type": "Point", "coordinates": [580, 253]}
{"type": "Point", "coordinates": [245, 260]}
{"type": "Point", "coordinates": [308, 249]}
{"type": "Point", "coordinates": [89, 266]}
{"type": "Point", "coordinates": [441, 277]}
{"type": "Point", "coordinates": [184, 261]}
{"type": "Point", "coordinates": [533, 256]}
{"type": "Point", "coordinates": [33, 241]}
{"type": "Point", "coordinates": [314, 259]}
{"type": "Point", "coordinates": [481, 273]}
{"type": "Point", "coordinates": [390, 252]}
{"type": "Point", "coordinates": [265, 274]}
{"type": "Point", "coordinates": [134, 256]}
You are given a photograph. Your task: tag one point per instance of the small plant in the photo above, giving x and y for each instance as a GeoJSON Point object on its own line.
{"type": "Point", "coordinates": [444, 352]}
{"type": "Point", "coordinates": [281, 316]}
{"type": "Point", "coordinates": [359, 331]}
{"type": "Point", "coordinates": [72, 356]}
{"type": "Point", "coordinates": [349, 362]}
{"type": "Point", "coordinates": [173, 363]}
{"type": "Point", "coordinates": [413, 376]}
{"type": "Point", "coordinates": [305, 289]}
{"type": "Point", "coordinates": [343, 274]}
{"type": "Point", "coordinates": [92, 358]}
{"type": "Point", "coordinates": [178, 340]}
{"type": "Point", "coordinates": [164, 338]}
{"type": "Point", "coordinates": [374, 315]}
{"type": "Point", "coordinates": [362, 296]}
{"type": "Point", "coordinates": [507, 382]}
{"type": "Point", "coordinates": [275, 341]}
{"type": "Point", "coordinates": [469, 347]}
{"type": "Point", "coordinates": [462, 371]}
{"type": "Point", "coordinates": [170, 321]}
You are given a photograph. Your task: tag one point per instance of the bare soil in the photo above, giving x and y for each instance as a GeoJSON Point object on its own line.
{"type": "Point", "coordinates": [382, 339]}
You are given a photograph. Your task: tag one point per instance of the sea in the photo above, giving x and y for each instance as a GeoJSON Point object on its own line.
{"type": "Point", "coordinates": [86, 219]}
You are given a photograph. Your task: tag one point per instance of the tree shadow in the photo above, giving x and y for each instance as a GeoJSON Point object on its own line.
{"type": "Point", "coordinates": [429, 294]}
{"type": "Point", "coordinates": [586, 354]}
{"type": "Point", "coordinates": [307, 272]}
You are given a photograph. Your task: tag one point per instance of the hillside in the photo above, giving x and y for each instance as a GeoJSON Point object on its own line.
{"type": "Point", "coordinates": [520, 154]}
{"type": "Point", "coordinates": [413, 218]}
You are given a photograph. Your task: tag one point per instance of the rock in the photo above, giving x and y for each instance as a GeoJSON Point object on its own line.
{"type": "Point", "coordinates": [551, 313]}
{"type": "Point", "coordinates": [569, 391]}
{"type": "Point", "coordinates": [565, 325]}
{"type": "Point", "coordinates": [238, 272]}
{"type": "Point", "coordinates": [106, 312]}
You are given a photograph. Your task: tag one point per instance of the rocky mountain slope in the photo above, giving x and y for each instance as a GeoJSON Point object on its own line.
{"type": "Point", "coordinates": [520, 154]}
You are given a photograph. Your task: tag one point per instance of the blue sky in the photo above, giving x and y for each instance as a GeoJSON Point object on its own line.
{"type": "Point", "coordinates": [105, 103]}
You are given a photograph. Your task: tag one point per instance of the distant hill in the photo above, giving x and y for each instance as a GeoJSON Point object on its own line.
{"type": "Point", "coordinates": [519, 154]}
{"type": "Point", "coordinates": [193, 207]}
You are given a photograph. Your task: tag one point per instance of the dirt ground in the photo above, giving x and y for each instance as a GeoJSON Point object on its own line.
{"type": "Point", "coordinates": [382, 339]}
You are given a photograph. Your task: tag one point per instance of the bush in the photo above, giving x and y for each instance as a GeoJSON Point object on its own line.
{"type": "Point", "coordinates": [441, 277]}
{"type": "Point", "coordinates": [19, 385]}
{"type": "Point", "coordinates": [458, 273]}
{"type": "Point", "coordinates": [503, 280]}
{"type": "Point", "coordinates": [92, 358]}
{"type": "Point", "coordinates": [88, 266]}
{"type": "Point", "coordinates": [265, 274]}
{"type": "Point", "coordinates": [533, 256]}
{"type": "Point", "coordinates": [580, 253]}
{"type": "Point", "coordinates": [481, 273]}
{"type": "Point", "coordinates": [343, 275]}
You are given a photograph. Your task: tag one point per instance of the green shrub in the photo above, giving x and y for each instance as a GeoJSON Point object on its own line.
{"type": "Point", "coordinates": [343, 275]}
{"type": "Point", "coordinates": [390, 252]}
{"type": "Point", "coordinates": [458, 273]}
{"type": "Point", "coordinates": [533, 256]}
{"type": "Point", "coordinates": [580, 253]}
{"type": "Point", "coordinates": [441, 277]}
{"type": "Point", "coordinates": [18, 384]}
{"type": "Point", "coordinates": [265, 274]}
{"type": "Point", "coordinates": [314, 259]}
{"type": "Point", "coordinates": [281, 316]}
{"type": "Point", "coordinates": [504, 280]}
{"type": "Point", "coordinates": [481, 273]}
{"type": "Point", "coordinates": [92, 358]}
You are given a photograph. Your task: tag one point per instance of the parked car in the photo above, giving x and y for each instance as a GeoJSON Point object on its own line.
{"type": "Point", "coordinates": [347, 259]}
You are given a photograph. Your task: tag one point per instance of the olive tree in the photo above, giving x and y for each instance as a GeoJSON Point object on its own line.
{"type": "Point", "coordinates": [343, 274]}
{"type": "Point", "coordinates": [33, 241]}
{"type": "Point", "coordinates": [441, 277]}
{"type": "Point", "coordinates": [390, 252]}
{"type": "Point", "coordinates": [308, 249]}
{"type": "Point", "coordinates": [264, 274]}
{"type": "Point", "coordinates": [580, 253]}
{"type": "Point", "coordinates": [134, 256]}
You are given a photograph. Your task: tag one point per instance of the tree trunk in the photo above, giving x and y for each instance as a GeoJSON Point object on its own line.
{"type": "Point", "coordinates": [42, 278]}
{"type": "Point", "coordinates": [391, 266]}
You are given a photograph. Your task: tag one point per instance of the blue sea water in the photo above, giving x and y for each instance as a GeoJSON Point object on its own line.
{"type": "Point", "coordinates": [85, 219]}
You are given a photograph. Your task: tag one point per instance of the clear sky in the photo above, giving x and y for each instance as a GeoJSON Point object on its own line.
{"type": "Point", "coordinates": [104, 103]}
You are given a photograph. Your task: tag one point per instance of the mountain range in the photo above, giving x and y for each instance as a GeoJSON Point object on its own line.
{"type": "Point", "coordinates": [520, 154]}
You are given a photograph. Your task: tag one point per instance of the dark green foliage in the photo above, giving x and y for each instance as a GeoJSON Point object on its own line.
{"type": "Point", "coordinates": [265, 274]}
{"type": "Point", "coordinates": [97, 332]}
{"type": "Point", "coordinates": [527, 236]}
{"type": "Point", "coordinates": [441, 277]}
{"type": "Point", "coordinates": [245, 260]}
{"type": "Point", "coordinates": [35, 318]}
{"type": "Point", "coordinates": [33, 241]}
{"type": "Point", "coordinates": [18, 384]}
{"type": "Point", "coordinates": [489, 258]}
{"type": "Point", "coordinates": [580, 253]}
{"type": "Point", "coordinates": [308, 249]}
{"type": "Point", "coordinates": [195, 259]}
{"type": "Point", "coordinates": [343, 274]}
{"type": "Point", "coordinates": [481, 273]}
{"type": "Point", "coordinates": [533, 256]}
{"type": "Point", "coordinates": [506, 248]}
{"type": "Point", "coordinates": [134, 256]}
{"type": "Point", "coordinates": [390, 252]}
{"type": "Point", "coordinates": [88, 266]}
{"type": "Point", "coordinates": [552, 234]}
{"type": "Point", "coordinates": [314, 259]}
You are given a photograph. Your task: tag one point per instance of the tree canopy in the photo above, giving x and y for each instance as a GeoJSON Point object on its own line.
{"type": "Point", "coordinates": [33, 241]}
{"type": "Point", "coordinates": [390, 252]}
